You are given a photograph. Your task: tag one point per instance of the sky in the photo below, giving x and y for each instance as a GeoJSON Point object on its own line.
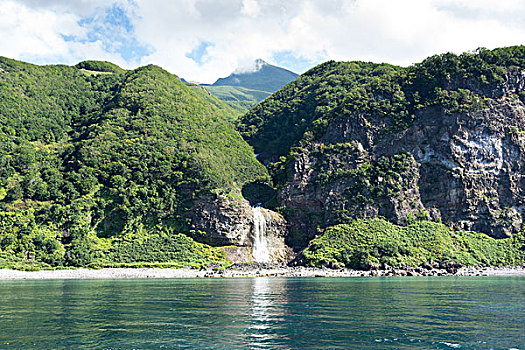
{"type": "Point", "coordinates": [202, 40]}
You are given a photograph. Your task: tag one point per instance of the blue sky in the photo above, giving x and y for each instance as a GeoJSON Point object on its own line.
{"type": "Point", "coordinates": [202, 40]}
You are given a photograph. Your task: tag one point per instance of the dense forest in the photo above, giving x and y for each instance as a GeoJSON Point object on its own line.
{"type": "Point", "coordinates": [99, 165]}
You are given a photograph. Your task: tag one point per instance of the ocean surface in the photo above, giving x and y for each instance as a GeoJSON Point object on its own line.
{"type": "Point", "coordinates": [265, 313]}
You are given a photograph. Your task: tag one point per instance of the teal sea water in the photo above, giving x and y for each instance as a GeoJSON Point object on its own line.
{"type": "Point", "coordinates": [265, 313]}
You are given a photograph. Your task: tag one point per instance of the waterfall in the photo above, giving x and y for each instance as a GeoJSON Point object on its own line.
{"type": "Point", "coordinates": [260, 242]}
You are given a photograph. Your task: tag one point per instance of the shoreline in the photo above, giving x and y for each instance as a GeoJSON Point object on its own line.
{"type": "Point", "coordinates": [250, 271]}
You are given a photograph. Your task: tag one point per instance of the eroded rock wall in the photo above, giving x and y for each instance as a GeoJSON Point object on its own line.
{"type": "Point", "coordinates": [220, 221]}
{"type": "Point", "coordinates": [467, 169]}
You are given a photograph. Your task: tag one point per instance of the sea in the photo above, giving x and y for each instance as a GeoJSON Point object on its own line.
{"type": "Point", "coordinates": [265, 313]}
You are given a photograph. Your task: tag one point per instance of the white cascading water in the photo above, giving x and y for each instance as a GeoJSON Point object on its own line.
{"type": "Point", "coordinates": [260, 241]}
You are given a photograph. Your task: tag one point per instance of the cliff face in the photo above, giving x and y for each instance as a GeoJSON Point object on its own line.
{"type": "Point", "coordinates": [230, 222]}
{"type": "Point", "coordinates": [471, 166]}
{"type": "Point", "coordinates": [465, 168]}
{"type": "Point", "coordinates": [442, 140]}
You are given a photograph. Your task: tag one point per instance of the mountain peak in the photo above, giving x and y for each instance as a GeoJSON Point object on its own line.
{"type": "Point", "coordinates": [250, 67]}
{"type": "Point", "coordinates": [258, 75]}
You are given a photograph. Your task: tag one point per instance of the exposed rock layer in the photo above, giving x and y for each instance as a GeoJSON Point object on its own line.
{"type": "Point", "coordinates": [464, 168]}
{"type": "Point", "coordinates": [230, 223]}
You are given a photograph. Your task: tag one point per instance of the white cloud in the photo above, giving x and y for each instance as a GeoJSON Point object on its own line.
{"type": "Point", "coordinates": [249, 66]}
{"type": "Point", "coordinates": [39, 34]}
{"type": "Point", "coordinates": [250, 8]}
{"type": "Point", "coordinates": [26, 31]}
{"type": "Point", "coordinates": [237, 31]}
{"type": "Point", "coordinates": [400, 32]}
{"type": "Point", "coordinates": [176, 29]}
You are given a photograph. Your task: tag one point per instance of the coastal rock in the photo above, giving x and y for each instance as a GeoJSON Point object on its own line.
{"type": "Point", "coordinates": [222, 221]}
{"type": "Point", "coordinates": [464, 168]}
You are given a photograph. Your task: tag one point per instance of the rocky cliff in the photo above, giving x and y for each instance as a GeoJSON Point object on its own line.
{"type": "Point", "coordinates": [463, 168]}
{"type": "Point", "coordinates": [442, 140]}
{"type": "Point", "coordinates": [222, 221]}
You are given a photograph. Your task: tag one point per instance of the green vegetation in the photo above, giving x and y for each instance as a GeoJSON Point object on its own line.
{"type": "Point", "coordinates": [374, 241]}
{"type": "Point", "coordinates": [382, 177]}
{"type": "Point", "coordinates": [280, 121]}
{"type": "Point", "coordinates": [27, 245]}
{"type": "Point", "coordinates": [370, 181]}
{"type": "Point", "coordinates": [383, 97]}
{"type": "Point", "coordinates": [100, 66]}
{"type": "Point", "coordinates": [165, 248]}
{"type": "Point", "coordinates": [227, 111]}
{"type": "Point", "coordinates": [86, 159]}
{"type": "Point", "coordinates": [239, 98]}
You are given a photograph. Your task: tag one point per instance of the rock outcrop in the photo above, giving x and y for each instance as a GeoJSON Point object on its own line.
{"type": "Point", "coordinates": [220, 221]}
{"type": "Point", "coordinates": [465, 168]}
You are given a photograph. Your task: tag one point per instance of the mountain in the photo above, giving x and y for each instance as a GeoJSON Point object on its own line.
{"type": "Point", "coordinates": [262, 76]}
{"type": "Point", "coordinates": [244, 89]}
{"type": "Point", "coordinates": [104, 166]}
{"type": "Point", "coordinates": [441, 141]}
{"type": "Point", "coordinates": [238, 98]}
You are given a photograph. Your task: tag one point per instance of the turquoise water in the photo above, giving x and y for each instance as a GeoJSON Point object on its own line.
{"type": "Point", "coordinates": [265, 313]}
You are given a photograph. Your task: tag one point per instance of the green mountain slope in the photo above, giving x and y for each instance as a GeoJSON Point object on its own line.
{"type": "Point", "coordinates": [441, 141]}
{"type": "Point", "coordinates": [263, 77]}
{"type": "Point", "coordinates": [88, 159]}
{"type": "Point", "coordinates": [226, 111]}
{"type": "Point", "coordinates": [280, 121]}
{"type": "Point", "coordinates": [243, 90]}
{"type": "Point", "coordinates": [240, 98]}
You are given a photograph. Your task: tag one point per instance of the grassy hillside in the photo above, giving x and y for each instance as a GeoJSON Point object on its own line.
{"type": "Point", "coordinates": [279, 122]}
{"type": "Point", "coordinates": [363, 243]}
{"type": "Point", "coordinates": [87, 160]}
{"type": "Point", "coordinates": [239, 98]}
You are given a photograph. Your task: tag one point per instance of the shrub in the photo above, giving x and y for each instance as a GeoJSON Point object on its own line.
{"type": "Point", "coordinates": [370, 241]}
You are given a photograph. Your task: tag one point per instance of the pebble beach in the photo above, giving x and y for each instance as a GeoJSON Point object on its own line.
{"type": "Point", "coordinates": [250, 271]}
